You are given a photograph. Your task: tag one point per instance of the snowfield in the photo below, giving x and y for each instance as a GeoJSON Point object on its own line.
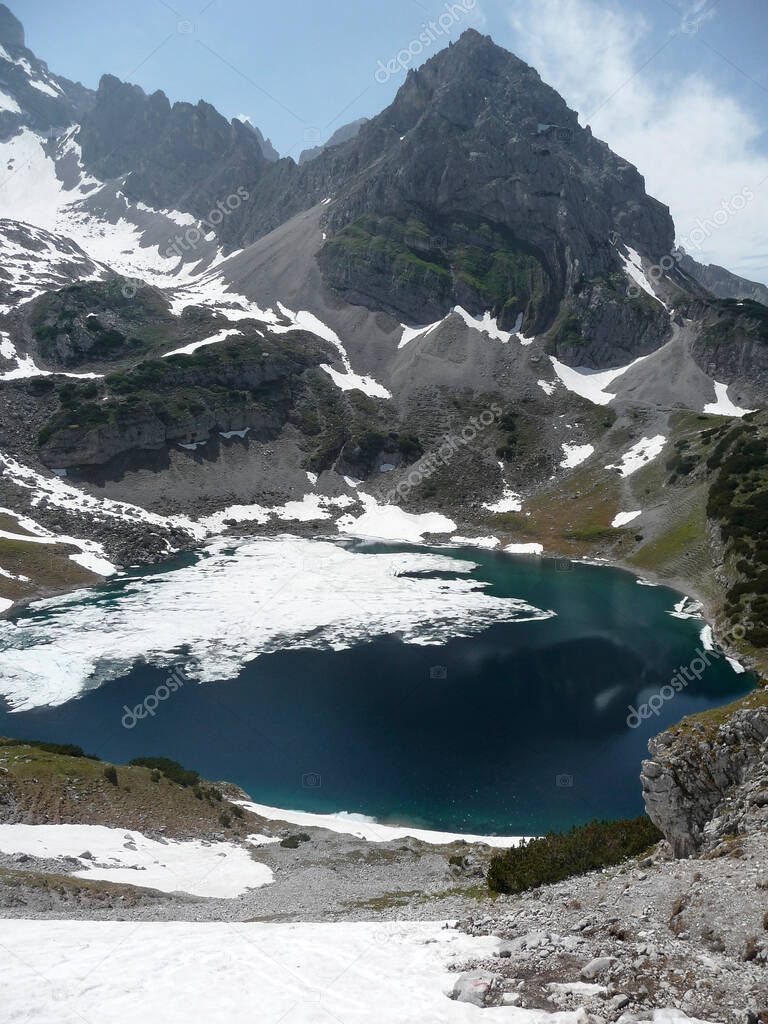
{"type": "Point", "coordinates": [242, 599]}
{"type": "Point", "coordinates": [589, 384]}
{"type": "Point", "coordinates": [723, 406]}
{"type": "Point", "coordinates": [117, 855]}
{"type": "Point", "coordinates": [73, 972]}
{"type": "Point", "coordinates": [640, 454]}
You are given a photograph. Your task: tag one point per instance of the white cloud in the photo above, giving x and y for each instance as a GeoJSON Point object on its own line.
{"type": "Point", "coordinates": [695, 144]}
{"type": "Point", "coordinates": [243, 117]}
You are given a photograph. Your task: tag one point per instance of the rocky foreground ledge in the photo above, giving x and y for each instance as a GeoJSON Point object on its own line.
{"type": "Point", "coordinates": [706, 783]}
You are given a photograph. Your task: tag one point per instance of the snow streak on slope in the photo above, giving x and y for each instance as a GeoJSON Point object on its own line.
{"type": "Point", "coordinates": [91, 555]}
{"type": "Point", "coordinates": [633, 265]}
{"type": "Point", "coordinates": [34, 261]}
{"type": "Point", "coordinates": [53, 491]}
{"type": "Point", "coordinates": [26, 367]}
{"type": "Point", "coordinates": [100, 218]}
{"type": "Point", "coordinates": [347, 381]}
{"type": "Point", "coordinates": [117, 855]}
{"type": "Point", "coordinates": [241, 600]}
{"type": "Point", "coordinates": [639, 455]}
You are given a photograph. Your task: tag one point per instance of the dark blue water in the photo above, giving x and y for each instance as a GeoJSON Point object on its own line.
{"type": "Point", "coordinates": [518, 730]}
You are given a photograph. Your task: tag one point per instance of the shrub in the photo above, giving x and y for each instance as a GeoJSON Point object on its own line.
{"type": "Point", "coordinates": [225, 819]}
{"type": "Point", "coordinates": [171, 770]}
{"type": "Point", "coordinates": [110, 774]}
{"type": "Point", "coordinates": [562, 855]}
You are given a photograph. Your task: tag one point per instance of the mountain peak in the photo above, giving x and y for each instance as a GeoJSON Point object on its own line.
{"type": "Point", "coordinates": [11, 29]}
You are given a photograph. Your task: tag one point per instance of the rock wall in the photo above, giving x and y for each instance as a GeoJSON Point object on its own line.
{"type": "Point", "coordinates": [707, 782]}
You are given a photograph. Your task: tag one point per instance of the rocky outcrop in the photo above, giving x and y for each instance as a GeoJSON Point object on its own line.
{"type": "Point", "coordinates": [39, 99]}
{"type": "Point", "coordinates": [721, 282]}
{"type": "Point", "coordinates": [178, 157]}
{"type": "Point", "coordinates": [343, 134]}
{"type": "Point", "coordinates": [707, 782]}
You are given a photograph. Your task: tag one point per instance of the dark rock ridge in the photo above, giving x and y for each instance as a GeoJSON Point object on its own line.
{"type": "Point", "coordinates": [478, 185]}
{"type": "Point", "coordinates": [721, 282]}
{"type": "Point", "coordinates": [52, 103]}
{"type": "Point", "coordinates": [252, 383]}
{"type": "Point", "coordinates": [706, 783]}
{"type": "Point", "coordinates": [183, 156]}
{"type": "Point", "coordinates": [343, 134]}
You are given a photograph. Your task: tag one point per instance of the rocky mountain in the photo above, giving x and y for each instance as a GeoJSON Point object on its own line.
{"type": "Point", "coordinates": [29, 93]}
{"type": "Point", "coordinates": [343, 134]}
{"type": "Point", "coordinates": [721, 282]}
{"type": "Point", "coordinates": [178, 307]}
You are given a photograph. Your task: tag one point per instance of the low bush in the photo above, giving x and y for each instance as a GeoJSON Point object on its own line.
{"type": "Point", "coordinates": [562, 855]}
{"type": "Point", "coordinates": [172, 770]}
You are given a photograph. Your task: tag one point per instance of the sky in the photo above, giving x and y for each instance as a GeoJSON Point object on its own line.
{"type": "Point", "coordinates": [679, 87]}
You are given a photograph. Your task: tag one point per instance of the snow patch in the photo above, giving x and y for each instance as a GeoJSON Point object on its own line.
{"type": "Point", "coordinates": [639, 455]}
{"type": "Point", "coordinates": [201, 869]}
{"type": "Point", "coordinates": [590, 384]}
{"type": "Point", "coordinates": [390, 522]}
{"type": "Point", "coordinates": [723, 406]}
{"type": "Point", "coordinates": [575, 454]}
{"type": "Point", "coordinates": [187, 350]}
{"type": "Point", "coordinates": [524, 549]}
{"type": "Point", "coordinates": [624, 518]}
{"type": "Point", "coordinates": [476, 542]}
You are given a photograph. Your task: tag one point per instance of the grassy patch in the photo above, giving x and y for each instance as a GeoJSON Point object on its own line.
{"type": "Point", "coordinates": [670, 545]}
{"type": "Point", "coordinates": [712, 720]}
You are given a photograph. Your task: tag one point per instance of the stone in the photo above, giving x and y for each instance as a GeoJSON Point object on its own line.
{"type": "Point", "coordinates": [480, 988]}
{"type": "Point", "coordinates": [597, 967]}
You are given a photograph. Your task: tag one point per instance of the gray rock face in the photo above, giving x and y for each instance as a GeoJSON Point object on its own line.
{"type": "Point", "coordinates": [478, 186]}
{"type": "Point", "coordinates": [700, 786]}
{"type": "Point", "coordinates": [181, 156]}
{"type": "Point", "coordinates": [52, 102]}
{"type": "Point", "coordinates": [722, 283]}
{"type": "Point", "coordinates": [343, 134]}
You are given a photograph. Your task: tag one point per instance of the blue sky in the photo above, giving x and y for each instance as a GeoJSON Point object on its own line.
{"type": "Point", "coordinates": [680, 87]}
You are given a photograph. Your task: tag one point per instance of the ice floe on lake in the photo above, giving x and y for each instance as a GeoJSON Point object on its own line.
{"type": "Point", "coordinates": [238, 601]}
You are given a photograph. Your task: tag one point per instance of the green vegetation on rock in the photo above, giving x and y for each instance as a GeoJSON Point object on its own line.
{"type": "Point", "coordinates": [561, 855]}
